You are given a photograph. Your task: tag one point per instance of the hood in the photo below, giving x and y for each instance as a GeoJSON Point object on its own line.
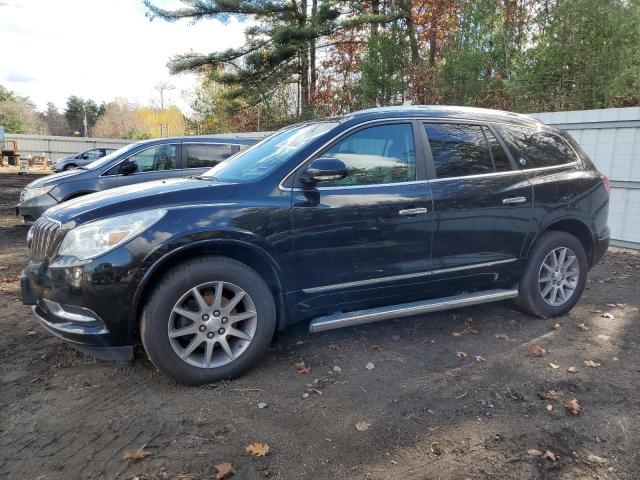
{"type": "Point", "coordinates": [141, 196]}
{"type": "Point", "coordinates": [53, 179]}
{"type": "Point", "coordinates": [64, 159]}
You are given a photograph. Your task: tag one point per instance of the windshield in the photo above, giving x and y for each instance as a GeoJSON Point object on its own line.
{"type": "Point", "coordinates": [107, 158]}
{"type": "Point", "coordinates": [264, 157]}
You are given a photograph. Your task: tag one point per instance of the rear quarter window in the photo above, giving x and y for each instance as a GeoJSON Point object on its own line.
{"type": "Point", "coordinates": [534, 148]}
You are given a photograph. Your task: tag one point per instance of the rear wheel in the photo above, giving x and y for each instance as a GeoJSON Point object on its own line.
{"type": "Point", "coordinates": [210, 319]}
{"type": "Point", "coordinates": [555, 275]}
{"type": "Point", "coordinates": [70, 166]}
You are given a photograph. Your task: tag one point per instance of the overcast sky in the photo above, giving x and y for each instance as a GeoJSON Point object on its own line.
{"type": "Point", "coordinates": [99, 49]}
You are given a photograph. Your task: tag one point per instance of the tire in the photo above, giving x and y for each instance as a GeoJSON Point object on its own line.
{"type": "Point", "coordinates": [70, 166]}
{"type": "Point", "coordinates": [176, 292]}
{"type": "Point", "coordinates": [534, 283]}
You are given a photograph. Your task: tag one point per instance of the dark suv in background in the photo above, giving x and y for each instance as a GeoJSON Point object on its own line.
{"type": "Point", "coordinates": [135, 163]}
{"type": "Point", "coordinates": [382, 213]}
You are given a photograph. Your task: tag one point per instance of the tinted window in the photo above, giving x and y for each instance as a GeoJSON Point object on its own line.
{"type": "Point", "coordinates": [500, 159]}
{"type": "Point", "coordinates": [91, 154]}
{"type": "Point", "coordinates": [458, 150]}
{"type": "Point", "coordinates": [375, 155]}
{"type": "Point", "coordinates": [206, 156]}
{"type": "Point", "coordinates": [538, 148]}
{"type": "Point", "coordinates": [153, 159]}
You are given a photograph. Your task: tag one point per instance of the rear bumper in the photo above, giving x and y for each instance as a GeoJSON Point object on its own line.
{"type": "Point", "coordinates": [599, 249]}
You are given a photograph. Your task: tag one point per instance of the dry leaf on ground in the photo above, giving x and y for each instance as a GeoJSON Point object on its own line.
{"type": "Point", "coordinates": [583, 327]}
{"type": "Point", "coordinates": [370, 366]}
{"type": "Point", "coordinates": [480, 358]}
{"type": "Point", "coordinates": [257, 449]}
{"type": "Point", "coordinates": [572, 370]}
{"type": "Point", "coordinates": [224, 471]}
{"type": "Point", "coordinates": [462, 354]}
{"type": "Point", "coordinates": [362, 426]}
{"type": "Point", "coordinates": [434, 428]}
{"type": "Point", "coordinates": [549, 408]}
{"type": "Point", "coordinates": [536, 350]}
{"type": "Point", "coordinates": [303, 368]}
{"type": "Point", "coordinates": [535, 452]}
{"type": "Point", "coordinates": [137, 454]}
{"type": "Point", "coordinates": [556, 327]}
{"type": "Point", "coordinates": [553, 395]}
{"type": "Point", "coordinates": [435, 448]}
{"type": "Point", "coordinates": [501, 336]}
{"type": "Point", "coordinates": [573, 406]}
{"type": "Point", "coordinates": [596, 459]}
{"type": "Point", "coordinates": [456, 334]}
{"type": "Point", "coordinates": [591, 363]}
{"type": "Point", "coordinates": [550, 455]}
{"type": "Point", "coordinates": [607, 315]}
{"type": "Point", "coordinates": [555, 366]}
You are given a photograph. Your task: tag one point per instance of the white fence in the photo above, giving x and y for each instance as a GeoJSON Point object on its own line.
{"type": "Point", "coordinates": [611, 138]}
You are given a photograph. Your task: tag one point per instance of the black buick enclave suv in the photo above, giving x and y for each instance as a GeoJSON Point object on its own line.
{"type": "Point", "coordinates": [382, 213]}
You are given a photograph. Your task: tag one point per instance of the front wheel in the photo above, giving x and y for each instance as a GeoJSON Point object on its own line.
{"type": "Point", "coordinates": [555, 276]}
{"type": "Point", "coordinates": [70, 166]}
{"type": "Point", "coordinates": [210, 319]}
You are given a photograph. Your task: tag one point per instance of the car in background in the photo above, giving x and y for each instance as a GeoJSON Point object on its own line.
{"type": "Point", "coordinates": [81, 159]}
{"type": "Point", "coordinates": [135, 163]}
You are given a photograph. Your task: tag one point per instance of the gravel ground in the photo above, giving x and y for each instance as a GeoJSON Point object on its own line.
{"type": "Point", "coordinates": [451, 395]}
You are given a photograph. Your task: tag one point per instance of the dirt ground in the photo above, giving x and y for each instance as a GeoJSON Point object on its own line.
{"type": "Point", "coordinates": [438, 404]}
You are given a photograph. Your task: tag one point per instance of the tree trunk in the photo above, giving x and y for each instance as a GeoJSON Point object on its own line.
{"type": "Point", "coordinates": [375, 10]}
{"type": "Point", "coordinates": [304, 63]}
{"type": "Point", "coordinates": [312, 57]}
{"type": "Point", "coordinates": [433, 38]}
{"type": "Point", "coordinates": [407, 8]}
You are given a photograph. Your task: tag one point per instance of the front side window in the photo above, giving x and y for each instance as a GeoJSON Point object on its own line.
{"type": "Point", "coordinates": [536, 148]}
{"type": "Point", "coordinates": [206, 155]}
{"type": "Point", "coordinates": [376, 155]}
{"type": "Point", "coordinates": [152, 159]}
{"type": "Point", "coordinates": [91, 154]}
{"type": "Point", "coordinates": [459, 150]}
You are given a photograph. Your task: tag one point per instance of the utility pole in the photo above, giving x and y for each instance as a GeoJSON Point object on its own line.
{"type": "Point", "coordinates": [162, 87]}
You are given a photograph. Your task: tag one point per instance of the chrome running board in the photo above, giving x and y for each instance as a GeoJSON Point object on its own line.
{"type": "Point", "coordinates": [349, 319]}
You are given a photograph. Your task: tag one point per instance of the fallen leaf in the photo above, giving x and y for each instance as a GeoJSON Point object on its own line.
{"type": "Point", "coordinates": [435, 448]}
{"type": "Point", "coordinates": [607, 315]}
{"type": "Point", "coordinates": [573, 406]}
{"type": "Point", "coordinates": [605, 338]}
{"type": "Point", "coordinates": [553, 395]}
{"type": "Point", "coordinates": [370, 366]}
{"type": "Point", "coordinates": [591, 363]}
{"type": "Point", "coordinates": [549, 408]}
{"type": "Point", "coordinates": [137, 454]}
{"type": "Point", "coordinates": [536, 350]}
{"type": "Point", "coordinates": [596, 311]}
{"type": "Point", "coordinates": [362, 426]}
{"type": "Point", "coordinates": [502, 336]}
{"type": "Point", "coordinates": [434, 428]}
{"type": "Point", "coordinates": [257, 449]}
{"type": "Point", "coordinates": [470, 330]}
{"type": "Point", "coordinates": [303, 368]}
{"type": "Point", "coordinates": [336, 369]}
{"type": "Point", "coordinates": [556, 327]}
{"type": "Point", "coordinates": [555, 366]}
{"type": "Point", "coordinates": [462, 354]}
{"type": "Point", "coordinates": [549, 455]}
{"type": "Point", "coordinates": [596, 459]}
{"type": "Point", "coordinates": [333, 346]}
{"type": "Point", "coordinates": [224, 470]}
{"type": "Point", "coordinates": [456, 334]}
{"type": "Point", "coordinates": [583, 327]}
{"type": "Point", "coordinates": [572, 370]}
{"type": "Point", "coordinates": [480, 358]}
{"type": "Point", "coordinates": [534, 452]}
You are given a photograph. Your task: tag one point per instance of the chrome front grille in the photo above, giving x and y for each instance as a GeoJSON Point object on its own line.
{"type": "Point", "coordinates": [43, 237]}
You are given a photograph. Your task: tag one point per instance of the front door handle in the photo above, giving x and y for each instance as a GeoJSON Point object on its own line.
{"type": "Point", "coordinates": [508, 201]}
{"type": "Point", "coordinates": [409, 212]}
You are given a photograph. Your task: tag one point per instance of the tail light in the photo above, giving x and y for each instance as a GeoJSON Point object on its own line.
{"type": "Point", "coordinates": [607, 183]}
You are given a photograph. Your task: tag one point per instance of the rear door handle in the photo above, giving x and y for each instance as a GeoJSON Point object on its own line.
{"type": "Point", "coordinates": [508, 201]}
{"type": "Point", "coordinates": [409, 212]}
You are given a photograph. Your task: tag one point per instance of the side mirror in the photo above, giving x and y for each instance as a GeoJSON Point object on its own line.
{"type": "Point", "coordinates": [323, 170]}
{"type": "Point", "coordinates": [127, 168]}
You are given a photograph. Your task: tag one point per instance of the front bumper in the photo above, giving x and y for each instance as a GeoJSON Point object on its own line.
{"type": "Point", "coordinates": [89, 305]}
{"type": "Point", "coordinates": [33, 209]}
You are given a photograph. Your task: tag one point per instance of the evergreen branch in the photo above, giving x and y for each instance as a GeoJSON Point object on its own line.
{"type": "Point", "coordinates": [221, 9]}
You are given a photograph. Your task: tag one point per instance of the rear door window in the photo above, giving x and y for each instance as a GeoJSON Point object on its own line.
{"type": "Point", "coordinates": [460, 150]}
{"type": "Point", "coordinates": [536, 148]}
{"type": "Point", "coordinates": [203, 155]}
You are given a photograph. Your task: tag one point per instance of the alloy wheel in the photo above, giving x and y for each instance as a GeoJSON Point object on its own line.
{"type": "Point", "coordinates": [558, 276]}
{"type": "Point", "coordinates": [212, 324]}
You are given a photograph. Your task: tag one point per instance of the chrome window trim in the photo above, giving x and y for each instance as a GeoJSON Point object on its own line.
{"type": "Point", "coordinates": [102, 174]}
{"type": "Point", "coordinates": [408, 276]}
{"type": "Point", "coordinates": [541, 126]}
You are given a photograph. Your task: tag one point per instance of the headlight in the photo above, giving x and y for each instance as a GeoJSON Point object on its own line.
{"type": "Point", "coordinates": [29, 193]}
{"type": "Point", "coordinates": [95, 238]}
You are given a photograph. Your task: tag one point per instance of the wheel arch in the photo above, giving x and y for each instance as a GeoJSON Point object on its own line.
{"type": "Point", "coordinates": [575, 227]}
{"type": "Point", "coordinates": [247, 253]}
